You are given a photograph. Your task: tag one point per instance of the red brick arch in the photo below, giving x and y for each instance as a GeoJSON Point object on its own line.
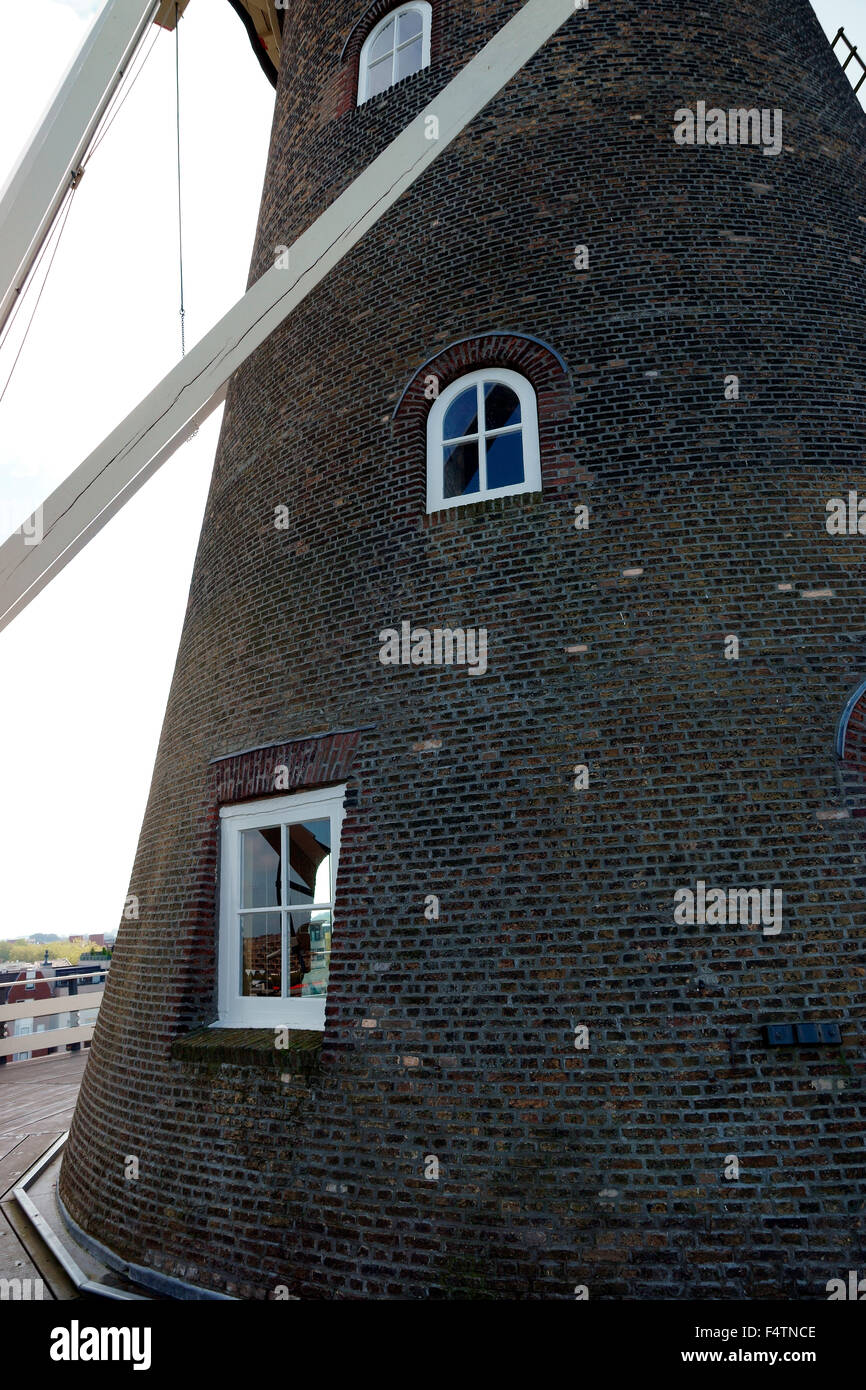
{"type": "Point", "coordinates": [851, 738]}
{"type": "Point", "coordinates": [355, 39]}
{"type": "Point", "coordinates": [537, 361]}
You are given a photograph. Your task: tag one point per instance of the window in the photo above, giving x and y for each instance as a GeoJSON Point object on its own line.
{"type": "Point", "coordinates": [278, 880]}
{"type": "Point", "coordinates": [851, 733]}
{"type": "Point", "coordinates": [398, 47]}
{"type": "Point", "coordinates": [482, 440]}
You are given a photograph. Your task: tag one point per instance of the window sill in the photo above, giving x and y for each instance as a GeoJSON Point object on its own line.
{"type": "Point", "coordinates": [250, 1047]}
{"type": "Point", "coordinates": [470, 510]}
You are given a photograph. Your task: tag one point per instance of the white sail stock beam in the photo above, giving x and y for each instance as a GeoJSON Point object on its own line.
{"type": "Point", "coordinates": [150, 433]}
{"type": "Point", "coordinates": [43, 176]}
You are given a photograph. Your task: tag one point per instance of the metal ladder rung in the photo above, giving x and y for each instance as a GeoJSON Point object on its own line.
{"type": "Point", "coordinates": [852, 53]}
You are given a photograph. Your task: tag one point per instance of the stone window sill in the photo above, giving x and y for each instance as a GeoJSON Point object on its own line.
{"type": "Point", "coordinates": [250, 1047]}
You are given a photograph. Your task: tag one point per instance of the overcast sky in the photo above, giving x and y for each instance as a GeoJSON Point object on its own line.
{"type": "Point", "coordinates": [86, 668]}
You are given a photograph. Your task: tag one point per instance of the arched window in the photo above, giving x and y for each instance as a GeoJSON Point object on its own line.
{"type": "Point", "coordinates": [398, 47]}
{"type": "Point", "coordinates": [482, 440]}
{"type": "Point", "coordinates": [851, 733]}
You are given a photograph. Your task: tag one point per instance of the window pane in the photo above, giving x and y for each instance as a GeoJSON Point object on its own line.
{"type": "Point", "coordinates": [309, 953]}
{"type": "Point", "coordinates": [383, 43]}
{"type": "Point", "coordinates": [260, 867]}
{"type": "Point", "coordinates": [409, 25]}
{"type": "Point", "coordinates": [380, 77]}
{"type": "Point", "coordinates": [408, 60]}
{"type": "Point", "coordinates": [461, 470]}
{"type": "Point", "coordinates": [505, 459]}
{"type": "Point", "coordinates": [310, 862]}
{"type": "Point", "coordinates": [501, 406]}
{"type": "Point", "coordinates": [461, 417]}
{"type": "Point", "coordinates": [261, 955]}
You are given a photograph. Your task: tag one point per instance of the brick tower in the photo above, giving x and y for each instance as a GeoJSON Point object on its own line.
{"type": "Point", "coordinates": [516, 604]}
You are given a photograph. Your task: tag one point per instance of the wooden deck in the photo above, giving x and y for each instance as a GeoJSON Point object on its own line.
{"type": "Point", "coordinates": [37, 1099]}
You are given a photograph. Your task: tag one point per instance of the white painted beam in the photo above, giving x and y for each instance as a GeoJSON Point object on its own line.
{"type": "Point", "coordinates": [151, 432]}
{"type": "Point", "coordinates": [57, 1004]}
{"type": "Point", "coordinates": [34, 193]}
{"type": "Point", "coordinates": [49, 1037]}
{"type": "Point", "coordinates": [90, 528]}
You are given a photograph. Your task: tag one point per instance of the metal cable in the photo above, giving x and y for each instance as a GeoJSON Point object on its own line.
{"type": "Point", "coordinates": [113, 109]}
{"type": "Point", "coordinates": [179, 209]}
{"type": "Point", "coordinates": [30, 279]}
{"type": "Point", "coordinates": [61, 227]}
{"type": "Point", "coordinates": [108, 119]}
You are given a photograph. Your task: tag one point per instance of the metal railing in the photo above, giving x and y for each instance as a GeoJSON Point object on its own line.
{"type": "Point", "coordinates": [852, 53]}
{"type": "Point", "coordinates": [13, 1044]}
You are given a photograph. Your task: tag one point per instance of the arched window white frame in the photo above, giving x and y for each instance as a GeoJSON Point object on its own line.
{"type": "Point", "coordinates": [482, 440]}
{"type": "Point", "coordinates": [849, 709]}
{"type": "Point", "coordinates": [398, 47]}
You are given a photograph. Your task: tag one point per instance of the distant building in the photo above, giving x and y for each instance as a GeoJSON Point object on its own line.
{"type": "Point", "coordinates": [21, 981]}
{"type": "Point", "coordinates": [30, 985]}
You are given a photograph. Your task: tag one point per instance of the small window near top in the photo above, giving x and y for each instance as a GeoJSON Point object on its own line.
{"type": "Point", "coordinates": [398, 47]}
{"type": "Point", "coordinates": [482, 440]}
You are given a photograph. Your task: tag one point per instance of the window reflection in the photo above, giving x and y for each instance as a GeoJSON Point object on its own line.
{"type": "Point", "coordinates": [261, 862]}
{"type": "Point", "coordinates": [461, 469]}
{"type": "Point", "coordinates": [261, 955]}
{"type": "Point", "coordinates": [309, 953]}
{"type": "Point", "coordinates": [310, 862]}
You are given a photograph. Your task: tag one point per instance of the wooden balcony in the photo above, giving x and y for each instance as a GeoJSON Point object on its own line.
{"type": "Point", "coordinates": [39, 1258]}
{"type": "Point", "coordinates": [37, 1099]}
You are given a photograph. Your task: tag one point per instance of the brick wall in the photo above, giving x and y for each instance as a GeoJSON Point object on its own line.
{"type": "Point", "coordinates": [559, 1166]}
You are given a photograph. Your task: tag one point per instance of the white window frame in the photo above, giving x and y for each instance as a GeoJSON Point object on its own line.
{"type": "Point", "coordinates": [525, 392]}
{"type": "Point", "coordinates": [425, 10]}
{"type": "Point", "coordinates": [234, 1009]}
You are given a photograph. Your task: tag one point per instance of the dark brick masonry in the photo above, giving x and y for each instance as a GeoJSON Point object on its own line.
{"type": "Point", "coordinates": [455, 1038]}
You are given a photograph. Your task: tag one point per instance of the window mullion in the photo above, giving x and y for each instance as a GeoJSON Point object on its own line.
{"type": "Point", "coordinates": [284, 919]}
{"type": "Point", "coordinates": [235, 947]}
{"type": "Point", "coordinates": [505, 429]}
{"type": "Point", "coordinates": [468, 438]}
{"type": "Point", "coordinates": [332, 876]}
{"type": "Point", "coordinates": [482, 442]}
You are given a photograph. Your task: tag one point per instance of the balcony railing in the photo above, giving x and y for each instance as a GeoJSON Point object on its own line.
{"type": "Point", "coordinates": [15, 1044]}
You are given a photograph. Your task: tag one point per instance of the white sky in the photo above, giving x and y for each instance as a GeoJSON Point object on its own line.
{"type": "Point", "coordinates": [85, 670]}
